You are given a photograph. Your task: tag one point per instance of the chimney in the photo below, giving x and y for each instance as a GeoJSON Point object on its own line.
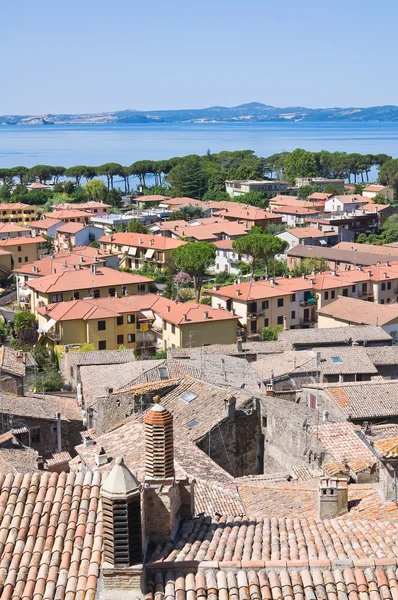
{"type": "Point", "coordinates": [140, 240]}
{"type": "Point", "coordinates": [332, 497]}
{"type": "Point", "coordinates": [81, 259]}
{"type": "Point", "coordinates": [93, 269]}
{"type": "Point", "coordinates": [303, 276]}
{"type": "Point", "coordinates": [285, 327]}
{"type": "Point", "coordinates": [159, 452]}
{"type": "Point", "coordinates": [272, 281]}
{"type": "Point", "coordinates": [152, 241]}
{"type": "Point", "coordinates": [20, 356]}
{"type": "Point", "coordinates": [230, 407]}
{"type": "Point", "coordinates": [59, 435]}
{"type": "Point", "coordinates": [369, 273]}
{"type": "Point", "coordinates": [168, 308]}
{"type": "Point", "coordinates": [325, 417]}
{"type": "Point", "coordinates": [101, 458]}
{"type": "Point", "coordinates": [239, 346]}
{"type": "Point", "coordinates": [385, 275]}
{"type": "Point", "coordinates": [388, 263]}
{"type": "Point", "coordinates": [206, 314]}
{"type": "Point", "coordinates": [333, 273]}
{"type": "Point", "coordinates": [237, 293]}
{"type": "Point", "coordinates": [121, 504]}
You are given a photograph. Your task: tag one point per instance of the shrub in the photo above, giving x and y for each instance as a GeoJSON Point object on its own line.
{"type": "Point", "coordinates": [186, 294]}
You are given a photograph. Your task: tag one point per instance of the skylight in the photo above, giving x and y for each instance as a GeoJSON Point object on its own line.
{"type": "Point", "coordinates": [189, 396]}
{"type": "Point", "coordinates": [336, 359]}
{"type": "Point", "coordinates": [192, 424]}
{"type": "Point", "coordinates": [163, 372]}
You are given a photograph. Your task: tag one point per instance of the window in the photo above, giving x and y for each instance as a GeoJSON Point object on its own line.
{"type": "Point", "coordinates": [293, 315]}
{"type": "Point", "coordinates": [102, 345]}
{"type": "Point", "coordinates": [326, 295]}
{"type": "Point", "coordinates": [264, 305]}
{"type": "Point", "coordinates": [130, 319]}
{"type": "Point", "coordinates": [253, 326]}
{"type": "Point", "coordinates": [76, 295]}
{"type": "Point", "coordinates": [131, 338]}
{"type": "Point", "coordinates": [119, 320]}
{"type": "Point", "coordinates": [19, 248]}
{"type": "Point", "coordinates": [57, 298]}
{"type": "Point", "coordinates": [354, 289]}
{"type": "Point", "coordinates": [173, 329]}
{"type": "Point", "coordinates": [293, 298]}
{"type": "Point", "coordinates": [252, 307]}
{"type": "Point", "coordinates": [312, 401]}
{"type": "Point", "coordinates": [383, 287]}
{"type": "Point", "coordinates": [96, 294]}
{"type": "Point", "coordinates": [35, 434]}
{"type": "Point", "coordinates": [189, 396]}
{"type": "Point", "coordinates": [280, 320]}
{"type": "Point", "coordinates": [19, 259]}
{"type": "Point", "coordinates": [266, 321]}
{"type": "Point", "coordinates": [120, 339]}
{"type": "Point", "coordinates": [389, 285]}
{"type": "Point", "coordinates": [280, 302]}
{"type": "Point", "coordinates": [163, 373]}
{"type": "Point", "coordinates": [141, 287]}
{"type": "Point", "coordinates": [333, 294]}
{"type": "Point", "coordinates": [382, 301]}
{"type": "Point", "coordinates": [112, 292]}
{"type": "Point", "coordinates": [26, 259]}
{"type": "Point", "coordinates": [101, 325]}
{"type": "Point", "coordinates": [71, 371]}
{"type": "Point", "coordinates": [164, 325]}
{"type": "Point", "coordinates": [345, 292]}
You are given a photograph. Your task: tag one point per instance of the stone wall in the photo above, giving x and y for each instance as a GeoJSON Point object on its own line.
{"type": "Point", "coordinates": [236, 443]}
{"type": "Point", "coordinates": [10, 384]}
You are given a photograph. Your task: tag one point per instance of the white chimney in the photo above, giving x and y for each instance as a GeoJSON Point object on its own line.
{"type": "Point", "coordinates": [206, 315]}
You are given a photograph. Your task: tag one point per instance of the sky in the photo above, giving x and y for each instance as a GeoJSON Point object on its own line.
{"type": "Point", "coordinates": [77, 56]}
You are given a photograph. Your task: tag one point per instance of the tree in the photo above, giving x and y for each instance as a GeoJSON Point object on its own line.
{"type": "Point", "coordinates": [379, 199]}
{"type": "Point", "coordinates": [390, 230]}
{"type": "Point", "coordinates": [310, 265]}
{"type": "Point", "coordinates": [57, 172]}
{"type": "Point", "coordinates": [258, 199]}
{"type": "Point", "coordinates": [6, 176]}
{"type": "Point", "coordinates": [188, 177]}
{"type": "Point", "coordinates": [216, 196]}
{"type": "Point", "coordinates": [21, 173]}
{"type": "Point", "coordinates": [191, 212]}
{"type": "Point", "coordinates": [270, 334]}
{"type": "Point", "coordinates": [114, 198]}
{"type": "Point", "coordinates": [96, 190]}
{"type": "Point", "coordinates": [77, 172]}
{"type": "Point", "coordinates": [140, 169]}
{"type": "Point", "coordinates": [260, 247]}
{"type": "Point", "coordinates": [137, 227]}
{"type": "Point", "coordinates": [388, 174]}
{"type": "Point", "coordinates": [25, 327]}
{"type": "Point", "coordinates": [299, 163]}
{"type": "Point", "coordinates": [41, 172]}
{"type": "Point", "coordinates": [110, 170]}
{"type": "Point", "coordinates": [305, 191]}
{"type": "Point", "coordinates": [177, 215]}
{"type": "Point", "coordinates": [195, 258]}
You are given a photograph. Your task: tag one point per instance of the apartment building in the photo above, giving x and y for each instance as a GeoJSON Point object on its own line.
{"type": "Point", "coordinates": [45, 226]}
{"type": "Point", "coordinates": [18, 213]}
{"type": "Point", "coordinates": [227, 260]}
{"type": "Point", "coordinates": [295, 216]}
{"type": "Point", "coordinates": [281, 201]}
{"type": "Point", "coordinates": [142, 323]}
{"type": "Point", "coordinates": [322, 182]}
{"type": "Point", "coordinates": [137, 249]}
{"type": "Point", "coordinates": [23, 249]}
{"type": "Point", "coordinates": [244, 213]}
{"type": "Point", "coordinates": [308, 236]}
{"type": "Point", "coordinates": [11, 230]}
{"type": "Point", "coordinates": [76, 258]}
{"type": "Point", "coordinates": [287, 302]}
{"type": "Point", "coordinates": [95, 282]}
{"type": "Point", "coordinates": [70, 235]}
{"type": "Point", "coordinates": [373, 190]}
{"type": "Point", "coordinates": [349, 225]}
{"type": "Point", "coordinates": [92, 206]}
{"type": "Point", "coordinates": [346, 203]}
{"type": "Point", "coordinates": [341, 257]}
{"type": "Point", "coordinates": [238, 187]}
{"type": "Point", "coordinates": [69, 215]}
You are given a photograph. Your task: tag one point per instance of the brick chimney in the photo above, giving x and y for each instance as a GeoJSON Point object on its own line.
{"type": "Point", "coordinates": [332, 497]}
{"type": "Point", "coordinates": [120, 495]}
{"type": "Point", "coordinates": [159, 452]}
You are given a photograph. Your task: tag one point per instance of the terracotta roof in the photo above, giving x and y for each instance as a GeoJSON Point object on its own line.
{"type": "Point", "coordinates": [224, 244]}
{"type": "Point", "coordinates": [256, 290]}
{"type": "Point", "coordinates": [320, 195]}
{"type": "Point", "coordinates": [252, 581]}
{"type": "Point", "coordinates": [51, 535]}
{"type": "Point", "coordinates": [375, 188]}
{"type": "Point", "coordinates": [151, 198]}
{"type": "Point", "coordinates": [352, 199]}
{"type": "Point", "coordinates": [40, 407]}
{"type": "Point", "coordinates": [50, 265]}
{"type": "Point", "coordinates": [133, 239]}
{"type": "Point", "coordinates": [373, 248]}
{"type": "Point", "coordinates": [84, 279]}
{"type": "Point", "coordinates": [45, 223]}
{"type": "Point", "coordinates": [387, 448]}
{"type": "Point", "coordinates": [361, 312]}
{"type": "Point", "coordinates": [71, 227]}
{"type": "Point", "coordinates": [295, 210]}
{"type": "Point", "coordinates": [20, 241]}
{"type": "Point", "coordinates": [344, 445]}
{"type": "Point", "coordinates": [67, 214]}
{"type": "Point", "coordinates": [238, 210]}
{"type": "Point", "coordinates": [38, 186]}
{"type": "Point", "coordinates": [183, 201]}
{"type": "Point", "coordinates": [12, 228]}
{"type": "Point", "coordinates": [294, 338]}
{"type": "Point", "coordinates": [184, 314]}
{"type": "Point", "coordinates": [365, 400]}
{"type": "Point", "coordinates": [366, 258]}
{"type": "Point", "coordinates": [293, 201]}
{"type": "Point", "coordinates": [210, 231]}
{"type": "Point", "coordinates": [309, 232]}
{"type": "Point", "coordinates": [14, 205]}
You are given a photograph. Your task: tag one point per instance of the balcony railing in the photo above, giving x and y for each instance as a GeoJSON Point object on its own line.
{"type": "Point", "coordinates": [54, 335]}
{"type": "Point", "coordinates": [366, 295]}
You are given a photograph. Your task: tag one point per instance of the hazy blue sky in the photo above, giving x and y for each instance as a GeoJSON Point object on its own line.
{"type": "Point", "coordinates": [98, 55]}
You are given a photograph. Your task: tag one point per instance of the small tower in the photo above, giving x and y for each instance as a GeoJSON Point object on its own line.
{"type": "Point", "coordinates": [159, 452]}
{"type": "Point", "coordinates": [120, 495]}
{"type": "Point", "coordinates": [332, 497]}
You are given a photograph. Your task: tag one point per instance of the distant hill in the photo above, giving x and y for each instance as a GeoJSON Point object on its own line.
{"type": "Point", "coordinates": [253, 112]}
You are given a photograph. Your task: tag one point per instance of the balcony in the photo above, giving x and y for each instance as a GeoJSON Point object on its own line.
{"type": "Point", "coordinates": [309, 300]}
{"type": "Point", "coordinates": [54, 335]}
{"type": "Point", "coordinates": [366, 295]}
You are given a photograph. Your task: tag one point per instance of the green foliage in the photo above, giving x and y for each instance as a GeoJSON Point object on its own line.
{"type": "Point", "coordinates": [379, 199]}
{"type": "Point", "coordinates": [51, 381]}
{"type": "Point", "coordinates": [195, 258]}
{"type": "Point", "coordinates": [299, 163]}
{"type": "Point", "coordinates": [86, 347]}
{"type": "Point", "coordinates": [25, 327]}
{"type": "Point", "coordinates": [136, 226]}
{"type": "Point", "coordinates": [305, 191]}
{"type": "Point", "coordinates": [390, 230]}
{"type": "Point", "coordinates": [216, 195]}
{"type": "Point", "coordinates": [329, 189]}
{"type": "Point", "coordinates": [388, 174]}
{"type": "Point", "coordinates": [206, 300]}
{"type": "Point", "coordinates": [260, 247]}
{"type": "Point", "coordinates": [46, 358]}
{"type": "Point", "coordinates": [160, 355]}
{"type": "Point", "coordinates": [310, 265]}
{"type": "Point", "coordinates": [96, 190]}
{"type": "Point", "coordinates": [224, 278]}
{"type": "Point", "coordinates": [94, 244]}
{"type": "Point", "coordinates": [114, 198]}
{"type": "Point", "coordinates": [177, 215]}
{"type": "Point", "coordinates": [258, 199]}
{"type": "Point", "coordinates": [188, 177]}
{"type": "Point", "coordinates": [270, 334]}
{"type": "Point", "coordinates": [361, 239]}
{"type": "Point", "coordinates": [189, 213]}
{"type": "Point", "coordinates": [4, 331]}
{"type": "Point", "coordinates": [185, 294]}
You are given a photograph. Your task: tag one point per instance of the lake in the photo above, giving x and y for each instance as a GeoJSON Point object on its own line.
{"type": "Point", "coordinates": [69, 145]}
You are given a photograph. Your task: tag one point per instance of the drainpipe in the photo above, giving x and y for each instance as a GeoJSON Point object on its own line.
{"type": "Point", "coordinates": [59, 439]}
